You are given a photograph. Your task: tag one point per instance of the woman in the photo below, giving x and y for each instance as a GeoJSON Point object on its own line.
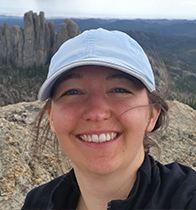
{"type": "Point", "coordinates": [101, 103]}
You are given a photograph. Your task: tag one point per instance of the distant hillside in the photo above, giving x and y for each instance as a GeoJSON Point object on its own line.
{"type": "Point", "coordinates": [12, 20]}
{"type": "Point", "coordinates": [177, 50]}
{"type": "Point", "coordinates": [157, 26]}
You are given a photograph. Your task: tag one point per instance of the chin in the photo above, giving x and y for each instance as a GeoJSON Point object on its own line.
{"type": "Point", "coordinates": [103, 167]}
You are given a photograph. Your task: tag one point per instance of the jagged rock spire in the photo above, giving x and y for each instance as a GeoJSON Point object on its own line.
{"type": "Point", "coordinates": [36, 43]}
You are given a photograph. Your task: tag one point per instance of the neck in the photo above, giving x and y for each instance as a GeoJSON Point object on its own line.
{"type": "Point", "coordinates": [98, 190]}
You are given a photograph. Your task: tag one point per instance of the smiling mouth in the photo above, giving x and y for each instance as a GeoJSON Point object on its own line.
{"type": "Point", "coordinates": [98, 138]}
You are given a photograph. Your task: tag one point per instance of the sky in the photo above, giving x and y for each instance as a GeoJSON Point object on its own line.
{"type": "Point", "coordinates": [129, 9]}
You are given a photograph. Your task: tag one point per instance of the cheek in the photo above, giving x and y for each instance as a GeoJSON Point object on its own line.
{"type": "Point", "coordinates": [64, 118]}
{"type": "Point", "coordinates": [135, 120]}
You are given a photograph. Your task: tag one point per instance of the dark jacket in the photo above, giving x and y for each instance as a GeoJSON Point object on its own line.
{"type": "Point", "coordinates": [157, 186]}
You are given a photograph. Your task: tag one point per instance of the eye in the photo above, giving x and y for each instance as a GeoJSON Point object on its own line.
{"type": "Point", "coordinates": [72, 92]}
{"type": "Point", "coordinates": [120, 90]}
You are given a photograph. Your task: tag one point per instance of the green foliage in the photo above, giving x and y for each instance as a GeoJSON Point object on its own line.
{"type": "Point", "coordinates": [184, 85]}
{"type": "Point", "coordinates": [18, 84]}
{"type": "Point", "coordinates": [184, 90]}
{"type": "Point", "coordinates": [30, 72]}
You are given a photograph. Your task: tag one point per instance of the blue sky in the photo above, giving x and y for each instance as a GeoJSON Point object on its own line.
{"type": "Point", "coordinates": [171, 9]}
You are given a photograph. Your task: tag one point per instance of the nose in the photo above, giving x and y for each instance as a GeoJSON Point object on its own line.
{"type": "Point", "coordinates": [96, 109]}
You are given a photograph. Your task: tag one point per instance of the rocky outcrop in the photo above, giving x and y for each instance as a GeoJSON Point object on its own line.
{"type": "Point", "coordinates": [19, 172]}
{"type": "Point", "coordinates": [36, 43]}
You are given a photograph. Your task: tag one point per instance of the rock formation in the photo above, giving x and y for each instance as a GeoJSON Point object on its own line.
{"type": "Point", "coordinates": [19, 172]}
{"type": "Point", "coordinates": [36, 43]}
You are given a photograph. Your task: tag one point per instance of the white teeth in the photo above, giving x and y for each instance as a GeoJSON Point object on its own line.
{"type": "Point", "coordinates": [102, 137]}
{"type": "Point", "coordinates": [95, 138]}
{"type": "Point", "coordinates": [89, 139]}
{"type": "Point", "coordinates": [108, 137]}
{"type": "Point", "coordinates": [99, 139]}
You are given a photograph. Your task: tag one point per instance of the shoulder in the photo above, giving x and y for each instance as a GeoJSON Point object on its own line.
{"type": "Point", "coordinates": [174, 183]}
{"type": "Point", "coordinates": [173, 171]}
{"type": "Point", "coordinates": [175, 174]}
{"type": "Point", "coordinates": [180, 182]}
{"type": "Point", "coordinates": [178, 173]}
{"type": "Point", "coordinates": [39, 197]}
{"type": "Point", "coordinates": [43, 196]}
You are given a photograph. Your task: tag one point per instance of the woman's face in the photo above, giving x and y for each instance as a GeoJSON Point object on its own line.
{"type": "Point", "coordinates": [100, 116]}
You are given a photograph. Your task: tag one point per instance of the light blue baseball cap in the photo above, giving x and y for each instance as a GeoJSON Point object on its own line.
{"type": "Point", "coordinates": [99, 47]}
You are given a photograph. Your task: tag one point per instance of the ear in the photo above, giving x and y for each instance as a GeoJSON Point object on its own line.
{"type": "Point", "coordinates": [154, 114]}
{"type": "Point", "coordinates": [50, 118]}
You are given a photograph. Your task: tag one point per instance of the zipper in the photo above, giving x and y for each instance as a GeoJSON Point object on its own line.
{"type": "Point", "coordinates": [109, 206]}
